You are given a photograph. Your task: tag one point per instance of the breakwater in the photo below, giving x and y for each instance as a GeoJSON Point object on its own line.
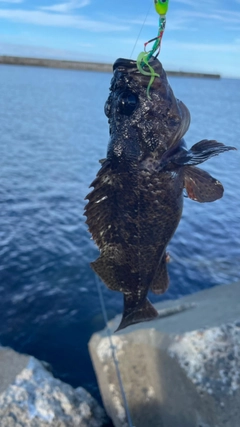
{"type": "Point", "coordinates": [86, 66]}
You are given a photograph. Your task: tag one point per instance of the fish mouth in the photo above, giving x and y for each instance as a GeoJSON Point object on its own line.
{"type": "Point", "coordinates": [129, 65]}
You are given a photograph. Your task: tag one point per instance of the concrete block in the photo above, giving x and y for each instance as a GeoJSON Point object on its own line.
{"type": "Point", "coordinates": [182, 370]}
{"type": "Point", "coordinates": [31, 397]}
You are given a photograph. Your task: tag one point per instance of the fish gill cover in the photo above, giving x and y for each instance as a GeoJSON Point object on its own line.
{"type": "Point", "coordinates": [137, 198]}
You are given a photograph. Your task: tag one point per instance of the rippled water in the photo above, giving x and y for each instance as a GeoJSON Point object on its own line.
{"type": "Point", "coordinates": [53, 131]}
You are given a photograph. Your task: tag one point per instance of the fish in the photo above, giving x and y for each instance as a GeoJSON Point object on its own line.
{"type": "Point", "coordinates": [137, 199]}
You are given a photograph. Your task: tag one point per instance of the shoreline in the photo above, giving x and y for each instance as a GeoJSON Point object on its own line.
{"type": "Point", "coordinates": [85, 66]}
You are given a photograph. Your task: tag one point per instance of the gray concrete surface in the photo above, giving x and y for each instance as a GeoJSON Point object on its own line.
{"type": "Point", "coordinates": [179, 371]}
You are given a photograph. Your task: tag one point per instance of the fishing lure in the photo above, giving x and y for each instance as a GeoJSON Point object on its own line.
{"type": "Point", "coordinates": [161, 7]}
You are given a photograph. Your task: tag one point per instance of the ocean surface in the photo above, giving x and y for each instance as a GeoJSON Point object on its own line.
{"type": "Point", "coordinates": [53, 132]}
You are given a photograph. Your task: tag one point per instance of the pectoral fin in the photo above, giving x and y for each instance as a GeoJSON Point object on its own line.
{"type": "Point", "coordinates": [201, 186]}
{"type": "Point", "coordinates": [200, 152]}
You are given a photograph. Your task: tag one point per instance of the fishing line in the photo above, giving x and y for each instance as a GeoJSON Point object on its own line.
{"type": "Point", "coordinates": [144, 21]}
{"type": "Point", "coordinates": [113, 350]}
{"type": "Point", "coordinates": [143, 58]}
{"type": "Point", "coordinates": [161, 7]}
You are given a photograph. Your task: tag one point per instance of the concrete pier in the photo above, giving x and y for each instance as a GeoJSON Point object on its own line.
{"type": "Point", "coordinates": [86, 66]}
{"type": "Point", "coordinates": [182, 370]}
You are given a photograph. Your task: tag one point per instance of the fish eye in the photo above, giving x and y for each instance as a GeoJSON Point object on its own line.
{"type": "Point", "coordinates": [107, 109]}
{"type": "Point", "coordinates": [127, 102]}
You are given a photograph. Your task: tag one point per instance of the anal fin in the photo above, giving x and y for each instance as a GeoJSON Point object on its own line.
{"type": "Point", "coordinates": [160, 281]}
{"type": "Point", "coordinates": [201, 186]}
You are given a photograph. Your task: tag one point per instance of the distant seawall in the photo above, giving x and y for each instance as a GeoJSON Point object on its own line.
{"type": "Point", "coordinates": [86, 66]}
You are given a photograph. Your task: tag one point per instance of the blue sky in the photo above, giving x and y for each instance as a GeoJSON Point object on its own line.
{"type": "Point", "coordinates": [200, 35]}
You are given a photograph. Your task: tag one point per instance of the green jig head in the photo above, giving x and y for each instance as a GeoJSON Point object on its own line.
{"type": "Point", "coordinates": [161, 6]}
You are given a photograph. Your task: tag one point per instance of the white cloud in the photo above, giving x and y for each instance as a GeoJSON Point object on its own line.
{"type": "Point", "coordinates": [68, 6]}
{"type": "Point", "coordinates": [173, 24]}
{"type": "Point", "coordinates": [59, 20]}
{"type": "Point", "coordinates": [232, 28]}
{"type": "Point", "coordinates": [185, 19]}
{"type": "Point", "coordinates": [11, 1]}
{"type": "Point", "coordinates": [177, 21]}
{"type": "Point", "coordinates": [224, 16]}
{"type": "Point", "coordinates": [203, 47]}
{"type": "Point", "coordinates": [196, 4]}
{"type": "Point", "coordinates": [37, 51]}
{"type": "Point", "coordinates": [187, 2]}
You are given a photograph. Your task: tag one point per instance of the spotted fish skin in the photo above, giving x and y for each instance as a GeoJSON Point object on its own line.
{"type": "Point", "coordinates": [137, 200]}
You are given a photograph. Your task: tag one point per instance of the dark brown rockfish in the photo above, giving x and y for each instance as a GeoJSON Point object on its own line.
{"type": "Point", "coordinates": [136, 204]}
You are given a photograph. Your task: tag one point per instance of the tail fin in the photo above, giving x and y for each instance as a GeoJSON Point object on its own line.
{"type": "Point", "coordinates": [136, 313]}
